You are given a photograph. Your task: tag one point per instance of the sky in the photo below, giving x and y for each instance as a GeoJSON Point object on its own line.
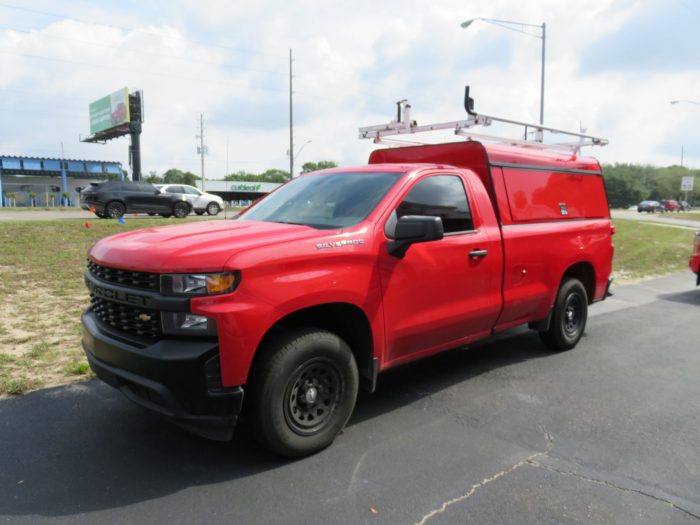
{"type": "Point", "coordinates": [612, 67]}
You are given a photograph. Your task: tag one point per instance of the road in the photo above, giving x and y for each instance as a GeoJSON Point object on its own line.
{"type": "Point", "coordinates": [47, 215]}
{"type": "Point", "coordinates": [501, 433]}
{"type": "Point", "coordinates": [671, 219]}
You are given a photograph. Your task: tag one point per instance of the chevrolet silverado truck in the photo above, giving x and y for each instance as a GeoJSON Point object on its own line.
{"type": "Point", "coordinates": [282, 315]}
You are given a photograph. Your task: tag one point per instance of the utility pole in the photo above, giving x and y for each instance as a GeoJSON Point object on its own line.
{"type": "Point", "coordinates": [202, 147]}
{"type": "Point", "coordinates": [291, 121]}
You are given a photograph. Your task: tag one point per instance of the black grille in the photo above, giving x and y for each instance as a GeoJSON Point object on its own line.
{"type": "Point", "coordinates": [133, 320]}
{"type": "Point", "coordinates": [141, 280]}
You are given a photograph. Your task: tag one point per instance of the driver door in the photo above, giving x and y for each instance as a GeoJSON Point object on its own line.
{"type": "Point", "coordinates": [439, 294]}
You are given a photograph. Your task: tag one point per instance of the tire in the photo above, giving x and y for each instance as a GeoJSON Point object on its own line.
{"type": "Point", "coordinates": [181, 210]}
{"type": "Point", "coordinates": [213, 208]}
{"type": "Point", "coordinates": [304, 388]}
{"type": "Point", "coordinates": [198, 212]}
{"type": "Point", "coordinates": [569, 317]}
{"type": "Point", "coordinates": [114, 210]}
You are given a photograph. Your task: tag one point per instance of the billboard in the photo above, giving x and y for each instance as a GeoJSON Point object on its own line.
{"type": "Point", "coordinates": [110, 111]}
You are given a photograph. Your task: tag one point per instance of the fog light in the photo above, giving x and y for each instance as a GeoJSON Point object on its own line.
{"type": "Point", "coordinates": [184, 323]}
{"type": "Point", "coordinates": [194, 322]}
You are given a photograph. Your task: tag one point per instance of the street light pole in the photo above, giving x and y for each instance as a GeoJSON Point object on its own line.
{"type": "Point", "coordinates": [508, 24]}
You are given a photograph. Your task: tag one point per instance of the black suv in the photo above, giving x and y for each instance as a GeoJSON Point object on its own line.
{"type": "Point", "coordinates": [112, 199]}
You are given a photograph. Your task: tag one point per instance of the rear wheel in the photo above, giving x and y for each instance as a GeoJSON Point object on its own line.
{"type": "Point", "coordinates": [213, 208]}
{"type": "Point", "coordinates": [115, 209]}
{"type": "Point", "coordinates": [304, 387]}
{"type": "Point", "coordinates": [181, 210]}
{"type": "Point", "coordinates": [568, 316]}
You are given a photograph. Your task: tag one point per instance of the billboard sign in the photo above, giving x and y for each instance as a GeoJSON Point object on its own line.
{"type": "Point", "coordinates": [110, 111]}
{"type": "Point", "coordinates": [687, 183]}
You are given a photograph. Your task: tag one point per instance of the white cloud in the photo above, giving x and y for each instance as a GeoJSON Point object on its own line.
{"type": "Point", "coordinates": [352, 62]}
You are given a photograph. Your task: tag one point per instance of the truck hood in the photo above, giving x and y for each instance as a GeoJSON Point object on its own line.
{"type": "Point", "coordinates": [193, 247]}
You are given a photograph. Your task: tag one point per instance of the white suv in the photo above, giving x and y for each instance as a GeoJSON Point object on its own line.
{"type": "Point", "coordinates": [201, 202]}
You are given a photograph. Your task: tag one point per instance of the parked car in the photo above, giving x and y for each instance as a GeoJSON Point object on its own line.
{"type": "Point", "coordinates": [671, 205]}
{"type": "Point", "coordinates": [112, 199]}
{"type": "Point", "coordinates": [685, 206]}
{"type": "Point", "coordinates": [650, 207]}
{"type": "Point", "coordinates": [695, 258]}
{"type": "Point", "coordinates": [200, 201]}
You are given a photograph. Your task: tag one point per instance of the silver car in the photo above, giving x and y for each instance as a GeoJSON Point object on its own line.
{"type": "Point", "coordinates": [201, 202]}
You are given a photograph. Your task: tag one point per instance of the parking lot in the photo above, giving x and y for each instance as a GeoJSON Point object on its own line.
{"type": "Point", "coordinates": [503, 432]}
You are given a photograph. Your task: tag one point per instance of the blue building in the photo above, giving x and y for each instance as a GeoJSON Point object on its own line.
{"type": "Point", "coordinates": [49, 178]}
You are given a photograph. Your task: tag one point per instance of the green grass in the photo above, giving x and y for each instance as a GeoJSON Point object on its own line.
{"type": "Point", "coordinates": [42, 292]}
{"type": "Point", "coordinates": [645, 249]}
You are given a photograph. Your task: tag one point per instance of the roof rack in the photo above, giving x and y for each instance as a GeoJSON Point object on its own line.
{"type": "Point", "coordinates": [403, 125]}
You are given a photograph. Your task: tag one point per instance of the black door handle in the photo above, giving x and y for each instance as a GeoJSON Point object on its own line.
{"type": "Point", "coordinates": [474, 254]}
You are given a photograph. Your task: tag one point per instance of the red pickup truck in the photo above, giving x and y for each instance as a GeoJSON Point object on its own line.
{"type": "Point", "coordinates": [694, 261]}
{"type": "Point", "coordinates": [341, 274]}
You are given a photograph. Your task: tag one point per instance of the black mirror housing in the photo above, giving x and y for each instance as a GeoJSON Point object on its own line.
{"type": "Point", "coordinates": [411, 229]}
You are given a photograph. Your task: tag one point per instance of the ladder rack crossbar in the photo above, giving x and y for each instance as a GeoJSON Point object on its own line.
{"type": "Point", "coordinates": [403, 125]}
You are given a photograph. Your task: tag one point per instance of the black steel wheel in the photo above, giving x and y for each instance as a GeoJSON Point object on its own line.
{"type": "Point", "coordinates": [115, 209]}
{"type": "Point", "coordinates": [303, 389]}
{"type": "Point", "coordinates": [312, 396]}
{"type": "Point", "coordinates": [213, 208]}
{"type": "Point", "coordinates": [181, 210]}
{"type": "Point", "coordinates": [569, 316]}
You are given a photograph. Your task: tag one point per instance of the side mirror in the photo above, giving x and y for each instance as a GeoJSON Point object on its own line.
{"type": "Point", "coordinates": [411, 229]}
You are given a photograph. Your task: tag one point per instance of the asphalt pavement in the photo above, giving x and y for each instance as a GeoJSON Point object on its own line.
{"type": "Point", "coordinates": [502, 432]}
{"type": "Point", "coordinates": [670, 219]}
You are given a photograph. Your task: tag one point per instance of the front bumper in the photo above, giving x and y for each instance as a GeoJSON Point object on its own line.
{"type": "Point", "coordinates": [178, 379]}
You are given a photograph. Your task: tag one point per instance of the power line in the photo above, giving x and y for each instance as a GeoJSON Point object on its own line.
{"type": "Point", "coordinates": [140, 71]}
{"type": "Point", "coordinates": [140, 52]}
{"type": "Point", "coordinates": [123, 28]}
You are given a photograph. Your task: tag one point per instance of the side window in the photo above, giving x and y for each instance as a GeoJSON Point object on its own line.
{"type": "Point", "coordinates": [191, 191]}
{"type": "Point", "coordinates": [442, 196]}
{"type": "Point", "coordinates": [175, 189]}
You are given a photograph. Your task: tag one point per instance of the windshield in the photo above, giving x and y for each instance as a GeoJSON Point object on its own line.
{"type": "Point", "coordinates": [326, 201]}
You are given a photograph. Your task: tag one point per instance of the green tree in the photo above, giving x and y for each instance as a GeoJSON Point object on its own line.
{"type": "Point", "coordinates": [271, 175]}
{"type": "Point", "coordinates": [176, 176]}
{"type": "Point", "coordinates": [153, 178]}
{"type": "Point", "coordinates": [315, 166]}
{"type": "Point", "coordinates": [10, 196]}
{"type": "Point", "coordinates": [32, 196]}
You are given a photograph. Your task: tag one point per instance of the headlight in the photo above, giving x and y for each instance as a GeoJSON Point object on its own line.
{"type": "Point", "coordinates": [199, 283]}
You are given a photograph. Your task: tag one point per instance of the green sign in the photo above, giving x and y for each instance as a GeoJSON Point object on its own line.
{"type": "Point", "coordinates": [245, 187]}
{"type": "Point", "coordinates": [110, 111]}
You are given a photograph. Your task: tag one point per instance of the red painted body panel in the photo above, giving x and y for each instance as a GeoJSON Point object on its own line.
{"type": "Point", "coordinates": [694, 261]}
{"type": "Point", "coordinates": [437, 296]}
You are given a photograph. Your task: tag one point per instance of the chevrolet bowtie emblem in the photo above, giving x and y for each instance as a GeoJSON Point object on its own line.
{"type": "Point", "coordinates": [144, 317]}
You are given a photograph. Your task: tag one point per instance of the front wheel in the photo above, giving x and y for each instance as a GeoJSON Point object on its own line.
{"type": "Point", "coordinates": [568, 316]}
{"type": "Point", "coordinates": [304, 387]}
{"type": "Point", "coordinates": [181, 210]}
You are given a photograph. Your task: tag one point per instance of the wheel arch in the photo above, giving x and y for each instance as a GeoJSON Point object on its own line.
{"type": "Point", "coordinates": [584, 272]}
{"type": "Point", "coordinates": [345, 320]}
